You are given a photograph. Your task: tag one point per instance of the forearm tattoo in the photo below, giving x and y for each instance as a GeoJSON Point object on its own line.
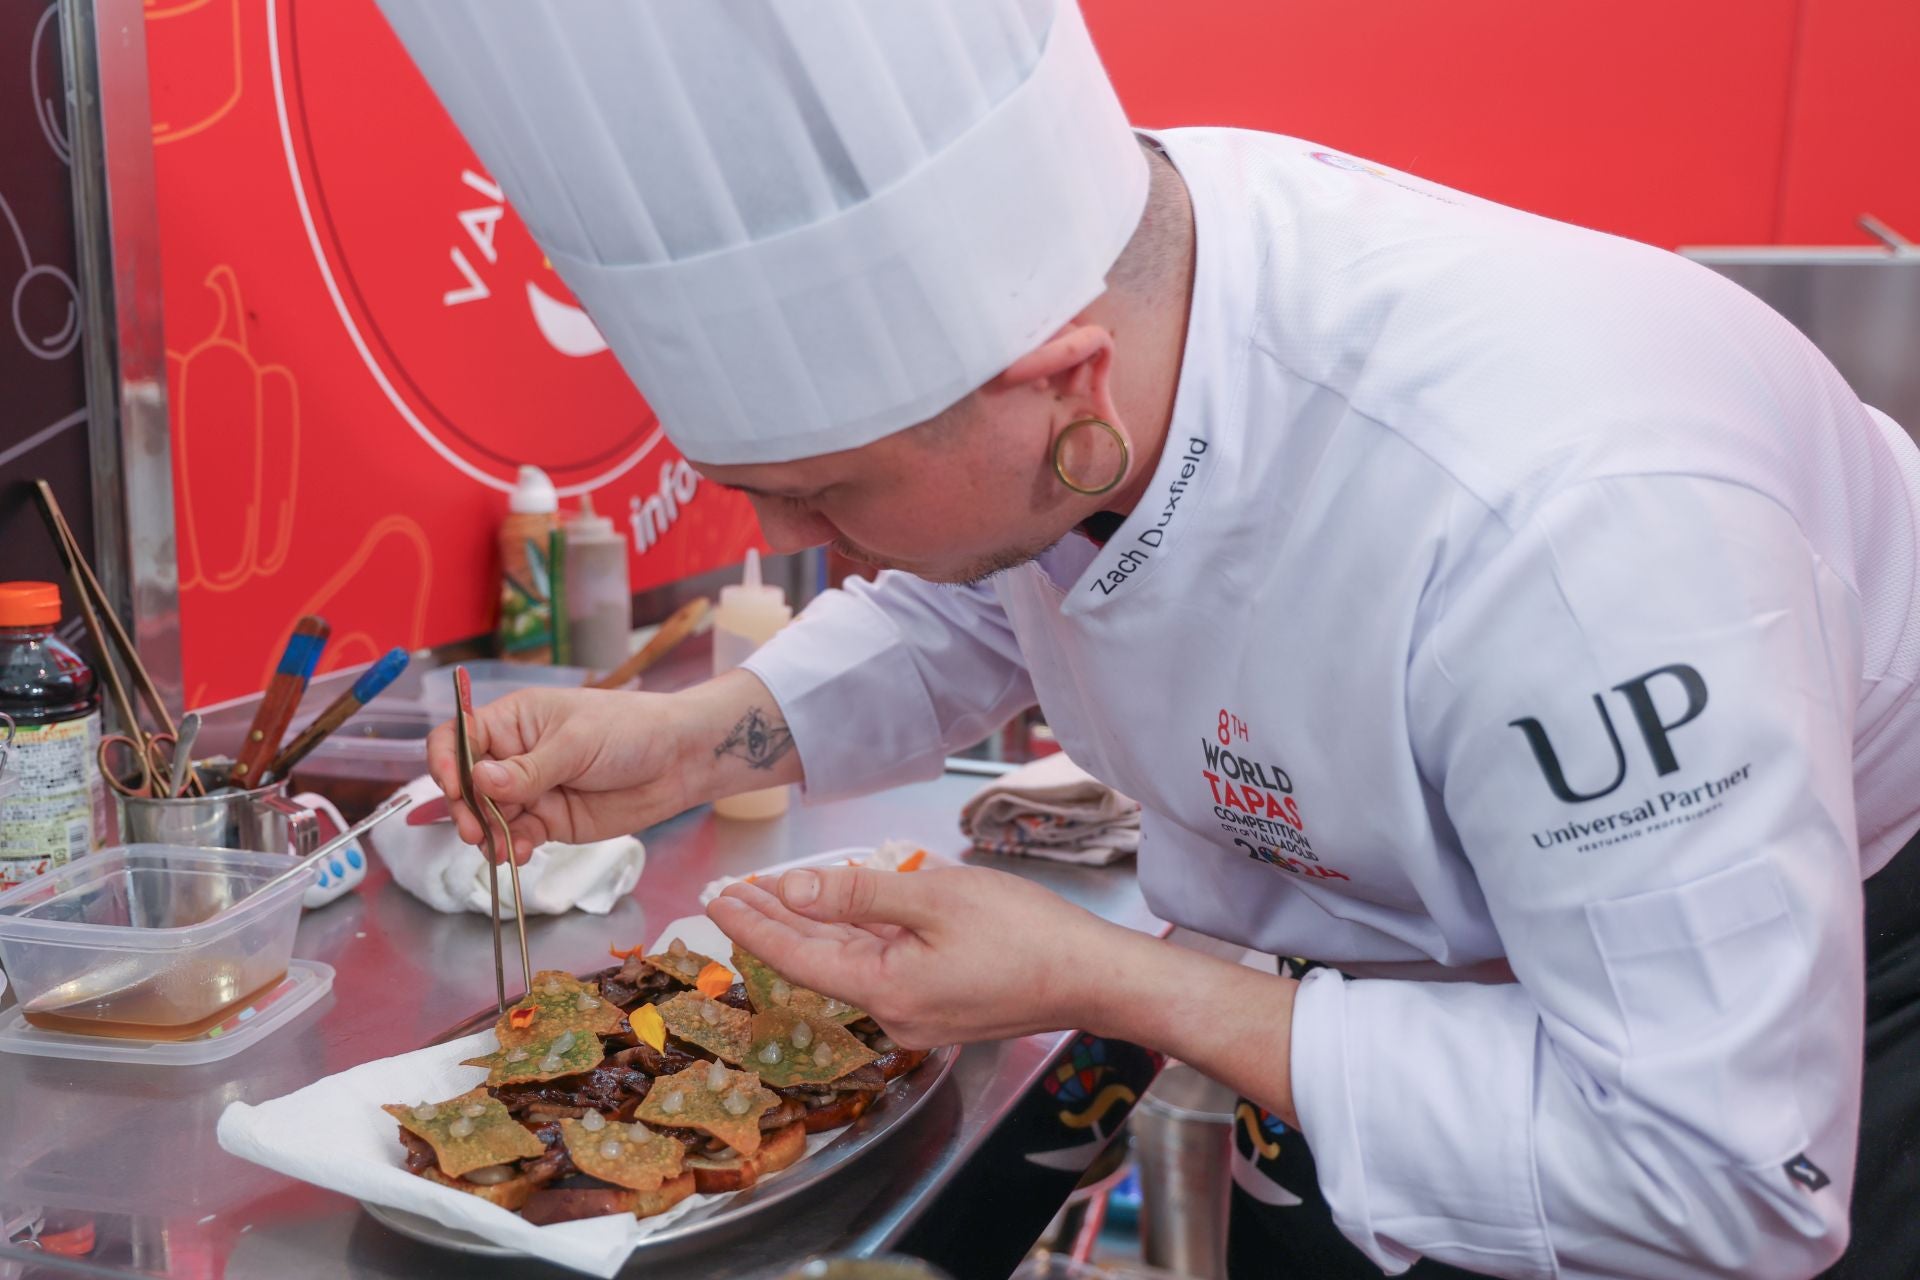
{"type": "Point", "coordinates": [757, 738]}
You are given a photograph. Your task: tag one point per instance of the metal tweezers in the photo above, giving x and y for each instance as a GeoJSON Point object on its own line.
{"type": "Point", "coordinates": [490, 820]}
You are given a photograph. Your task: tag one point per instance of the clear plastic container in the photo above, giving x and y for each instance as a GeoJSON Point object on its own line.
{"type": "Point", "coordinates": [371, 756]}
{"type": "Point", "coordinates": [148, 942]}
{"type": "Point", "coordinates": [493, 679]}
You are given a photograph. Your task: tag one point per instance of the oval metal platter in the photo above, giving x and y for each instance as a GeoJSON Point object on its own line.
{"type": "Point", "coordinates": [904, 1097]}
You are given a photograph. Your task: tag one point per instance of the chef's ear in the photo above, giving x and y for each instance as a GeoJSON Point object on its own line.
{"type": "Point", "coordinates": [1074, 364]}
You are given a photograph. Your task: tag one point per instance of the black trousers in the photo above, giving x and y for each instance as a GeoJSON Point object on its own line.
{"type": "Point", "coordinates": [1267, 1241]}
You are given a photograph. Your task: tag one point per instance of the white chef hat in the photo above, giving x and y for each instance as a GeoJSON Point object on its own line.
{"type": "Point", "coordinates": [802, 225]}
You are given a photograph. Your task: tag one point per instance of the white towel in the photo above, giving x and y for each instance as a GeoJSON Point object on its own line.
{"type": "Point", "coordinates": [432, 863]}
{"type": "Point", "coordinates": [1053, 809]}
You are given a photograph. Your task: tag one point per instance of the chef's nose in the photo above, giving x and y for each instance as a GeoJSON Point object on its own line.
{"type": "Point", "coordinates": [792, 529]}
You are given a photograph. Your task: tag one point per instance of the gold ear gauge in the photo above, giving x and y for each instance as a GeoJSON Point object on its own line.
{"type": "Point", "coordinates": [1059, 456]}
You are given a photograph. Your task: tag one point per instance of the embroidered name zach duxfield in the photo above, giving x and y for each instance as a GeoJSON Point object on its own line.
{"type": "Point", "coordinates": [1683, 803]}
{"type": "Point", "coordinates": [1132, 558]}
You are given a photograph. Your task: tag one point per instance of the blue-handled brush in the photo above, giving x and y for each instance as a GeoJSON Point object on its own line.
{"type": "Point", "coordinates": [374, 679]}
{"type": "Point", "coordinates": [280, 699]}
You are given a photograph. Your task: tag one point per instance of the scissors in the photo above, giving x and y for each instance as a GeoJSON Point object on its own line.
{"type": "Point", "coordinates": [150, 757]}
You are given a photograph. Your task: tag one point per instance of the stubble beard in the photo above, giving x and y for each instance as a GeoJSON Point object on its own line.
{"type": "Point", "coordinates": [970, 574]}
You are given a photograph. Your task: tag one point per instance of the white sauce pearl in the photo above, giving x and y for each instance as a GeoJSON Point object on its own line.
{"type": "Point", "coordinates": [491, 1176]}
{"type": "Point", "coordinates": [585, 1001]}
{"type": "Point", "coordinates": [593, 1122]}
{"type": "Point", "coordinates": [517, 1054]}
{"type": "Point", "coordinates": [563, 1042]}
{"type": "Point", "coordinates": [770, 1052]}
{"type": "Point", "coordinates": [781, 990]}
{"type": "Point", "coordinates": [461, 1128]}
{"type": "Point", "coordinates": [610, 1150]}
{"type": "Point", "coordinates": [672, 1104]}
{"type": "Point", "coordinates": [802, 1035]}
{"type": "Point", "coordinates": [551, 1063]}
{"type": "Point", "coordinates": [822, 1055]}
{"type": "Point", "coordinates": [425, 1111]}
{"type": "Point", "coordinates": [676, 948]}
{"type": "Point", "coordinates": [717, 1076]}
{"type": "Point", "coordinates": [473, 1110]}
{"type": "Point", "coordinates": [710, 1012]}
{"type": "Point", "coordinates": [737, 1103]}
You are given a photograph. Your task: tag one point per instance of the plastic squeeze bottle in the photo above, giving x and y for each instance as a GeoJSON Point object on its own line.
{"type": "Point", "coordinates": [746, 618]}
{"type": "Point", "coordinates": [52, 800]}
{"type": "Point", "coordinates": [526, 569]}
{"type": "Point", "coordinates": [599, 599]}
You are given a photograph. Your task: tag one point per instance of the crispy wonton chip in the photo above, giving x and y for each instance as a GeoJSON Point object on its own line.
{"type": "Point", "coordinates": [466, 1133]}
{"type": "Point", "coordinates": [720, 1029]}
{"type": "Point", "coordinates": [768, 990]}
{"type": "Point", "coordinates": [787, 1049]}
{"type": "Point", "coordinates": [558, 1002]}
{"type": "Point", "coordinates": [627, 1155]}
{"type": "Point", "coordinates": [567, 1054]}
{"type": "Point", "coordinates": [712, 1099]}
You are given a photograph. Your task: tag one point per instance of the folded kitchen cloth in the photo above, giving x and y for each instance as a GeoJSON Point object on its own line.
{"type": "Point", "coordinates": [1053, 809]}
{"type": "Point", "coordinates": [430, 861]}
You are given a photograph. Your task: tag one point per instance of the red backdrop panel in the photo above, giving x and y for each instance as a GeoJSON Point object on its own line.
{"type": "Point", "coordinates": [1853, 139]}
{"type": "Point", "coordinates": [364, 341]}
{"type": "Point", "coordinates": [1651, 119]}
{"type": "Point", "coordinates": [363, 345]}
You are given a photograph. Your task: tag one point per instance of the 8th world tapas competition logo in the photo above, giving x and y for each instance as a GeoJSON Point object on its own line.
{"type": "Point", "coordinates": [455, 312]}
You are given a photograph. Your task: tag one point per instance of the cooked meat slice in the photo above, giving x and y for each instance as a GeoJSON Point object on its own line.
{"type": "Point", "coordinates": [555, 1164]}
{"type": "Point", "coordinates": [605, 1088]}
{"type": "Point", "coordinates": [863, 1079]}
{"type": "Point", "coordinates": [420, 1155]}
{"type": "Point", "coordinates": [735, 996]}
{"type": "Point", "coordinates": [634, 984]}
{"type": "Point", "coordinates": [662, 1062]}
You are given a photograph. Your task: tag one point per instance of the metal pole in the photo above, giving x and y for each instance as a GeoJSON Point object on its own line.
{"type": "Point", "coordinates": [117, 233]}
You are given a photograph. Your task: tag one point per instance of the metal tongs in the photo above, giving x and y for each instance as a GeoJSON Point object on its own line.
{"type": "Point", "coordinates": [489, 815]}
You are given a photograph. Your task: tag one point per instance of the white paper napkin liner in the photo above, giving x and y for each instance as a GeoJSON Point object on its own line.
{"type": "Point", "coordinates": [333, 1134]}
{"type": "Point", "coordinates": [834, 858]}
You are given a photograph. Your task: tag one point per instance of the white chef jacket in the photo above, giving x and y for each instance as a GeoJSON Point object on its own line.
{"type": "Point", "coordinates": [1505, 591]}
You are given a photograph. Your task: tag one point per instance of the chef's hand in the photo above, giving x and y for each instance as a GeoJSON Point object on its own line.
{"type": "Point", "coordinates": [576, 765]}
{"type": "Point", "coordinates": [940, 956]}
{"type": "Point", "coordinates": [952, 955]}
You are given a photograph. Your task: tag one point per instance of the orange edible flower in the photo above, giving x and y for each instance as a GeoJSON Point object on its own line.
{"type": "Point", "coordinates": [713, 981]}
{"type": "Point", "coordinates": [629, 953]}
{"type": "Point", "coordinates": [912, 861]}
{"type": "Point", "coordinates": [521, 1019]}
{"type": "Point", "coordinates": [649, 1026]}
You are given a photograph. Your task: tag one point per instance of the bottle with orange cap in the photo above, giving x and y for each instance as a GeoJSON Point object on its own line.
{"type": "Point", "coordinates": [55, 806]}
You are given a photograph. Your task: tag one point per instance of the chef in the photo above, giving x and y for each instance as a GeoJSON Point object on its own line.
{"type": "Point", "coordinates": [1514, 624]}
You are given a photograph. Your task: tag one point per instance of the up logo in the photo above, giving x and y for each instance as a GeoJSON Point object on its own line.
{"type": "Point", "coordinates": [445, 297]}
{"type": "Point", "coordinates": [1638, 695]}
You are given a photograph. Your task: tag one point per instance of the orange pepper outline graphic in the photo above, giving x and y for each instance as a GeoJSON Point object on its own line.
{"type": "Point", "coordinates": [229, 333]}
{"type": "Point", "coordinates": [165, 132]}
{"type": "Point", "coordinates": [359, 645]}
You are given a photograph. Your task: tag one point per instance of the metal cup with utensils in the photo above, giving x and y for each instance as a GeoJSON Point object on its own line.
{"type": "Point", "coordinates": [488, 815]}
{"type": "Point", "coordinates": [262, 820]}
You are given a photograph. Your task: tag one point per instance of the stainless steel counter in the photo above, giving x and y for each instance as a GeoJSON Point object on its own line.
{"type": "Point", "coordinates": [128, 1153]}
